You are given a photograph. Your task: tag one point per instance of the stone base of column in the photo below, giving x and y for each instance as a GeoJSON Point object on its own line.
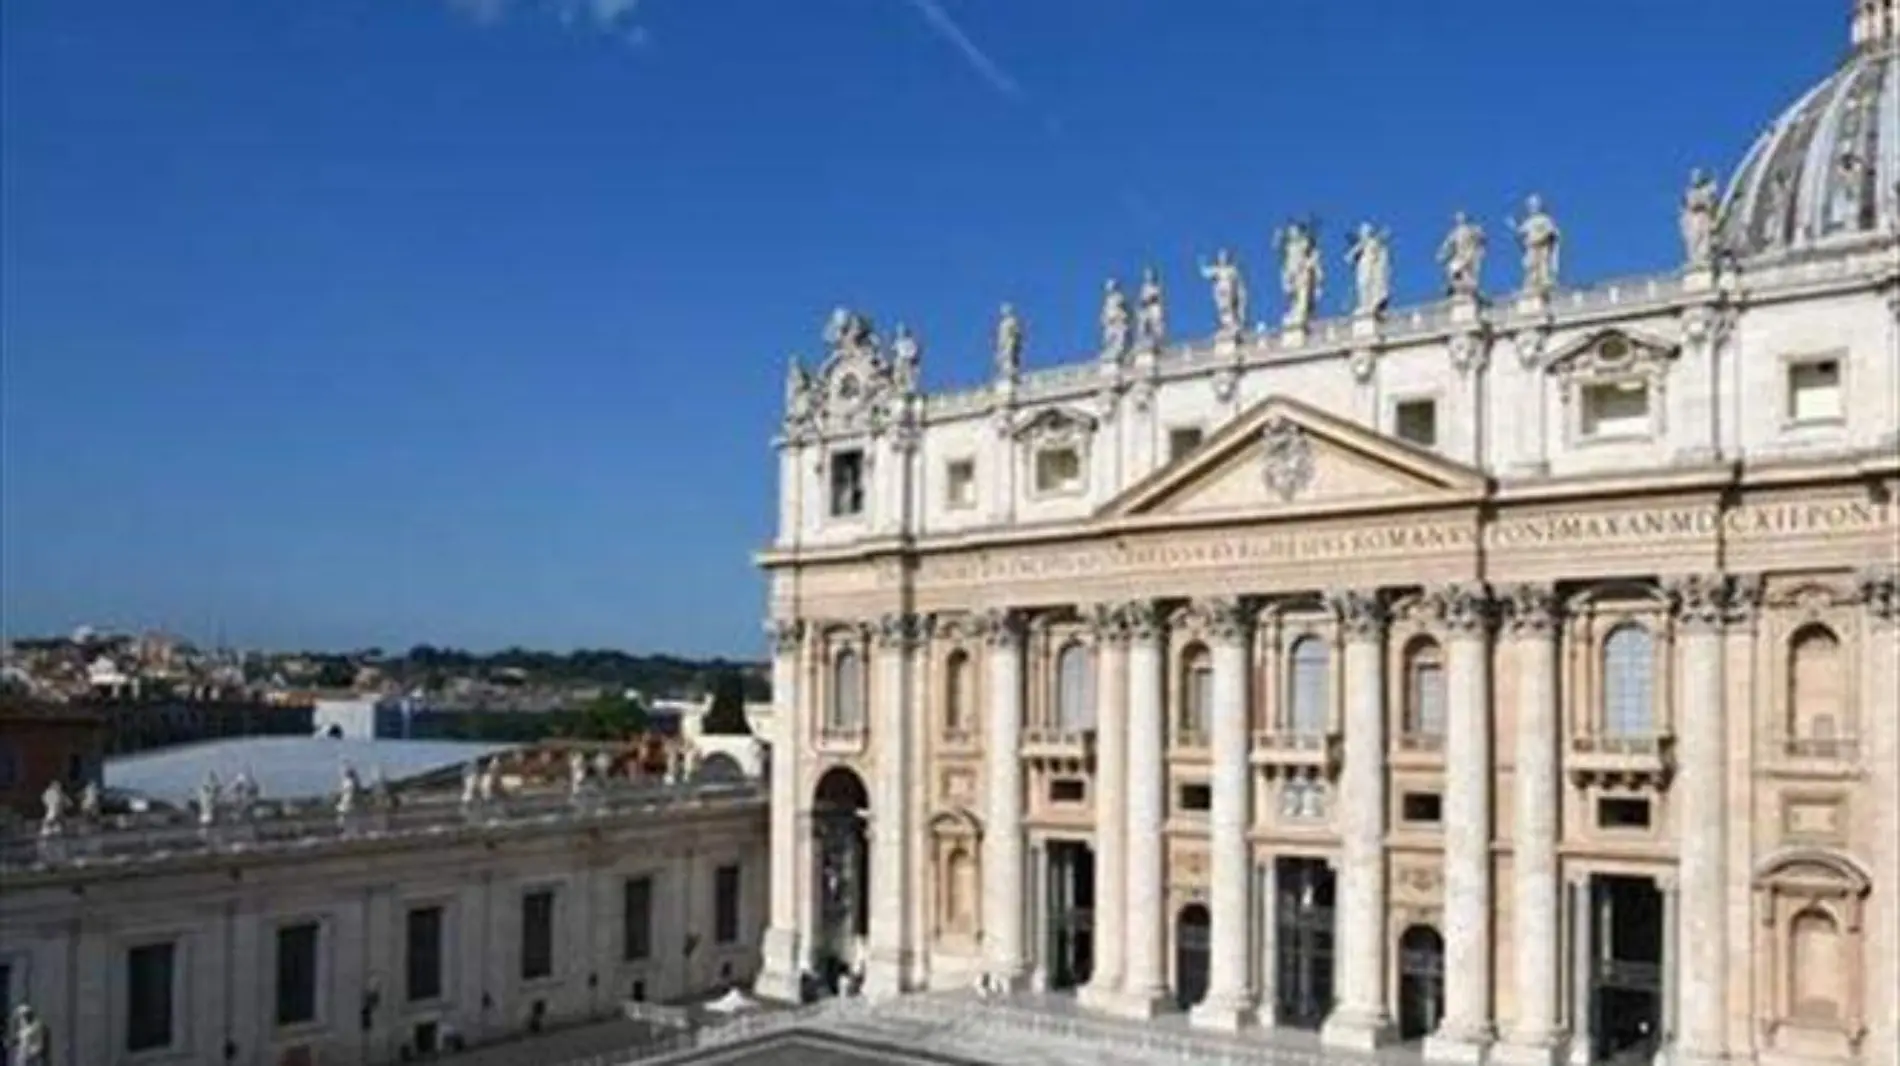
{"type": "Point", "coordinates": [886, 975]}
{"type": "Point", "coordinates": [781, 978]}
{"type": "Point", "coordinates": [1099, 997]}
{"type": "Point", "coordinates": [1140, 1005]}
{"type": "Point", "coordinates": [1529, 1051]}
{"type": "Point", "coordinates": [997, 980]}
{"type": "Point", "coordinates": [1673, 1054]}
{"type": "Point", "coordinates": [1449, 1046]}
{"type": "Point", "coordinates": [1350, 1030]}
{"type": "Point", "coordinates": [1227, 1013]}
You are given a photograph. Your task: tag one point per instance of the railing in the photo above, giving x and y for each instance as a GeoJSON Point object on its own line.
{"type": "Point", "coordinates": [1057, 742]}
{"type": "Point", "coordinates": [1651, 746]}
{"type": "Point", "coordinates": [1298, 751]}
{"type": "Point", "coordinates": [316, 823]}
{"type": "Point", "coordinates": [841, 735]}
{"type": "Point", "coordinates": [1639, 759]}
{"type": "Point", "coordinates": [1421, 743]}
{"type": "Point", "coordinates": [1829, 749]}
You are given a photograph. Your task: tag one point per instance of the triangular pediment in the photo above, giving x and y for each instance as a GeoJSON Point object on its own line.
{"type": "Point", "coordinates": [1610, 350]}
{"type": "Point", "coordinates": [1286, 455]}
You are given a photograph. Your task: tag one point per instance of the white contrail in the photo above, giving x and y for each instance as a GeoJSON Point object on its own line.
{"type": "Point", "coordinates": [988, 69]}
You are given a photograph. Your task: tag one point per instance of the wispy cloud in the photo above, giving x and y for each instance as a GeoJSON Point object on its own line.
{"type": "Point", "coordinates": [617, 18]}
{"type": "Point", "coordinates": [946, 28]}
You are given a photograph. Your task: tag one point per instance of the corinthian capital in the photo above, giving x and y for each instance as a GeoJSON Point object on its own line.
{"type": "Point", "coordinates": [1224, 618]}
{"type": "Point", "coordinates": [1000, 627]}
{"type": "Point", "coordinates": [1531, 611]}
{"type": "Point", "coordinates": [1700, 601]}
{"type": "Point", "coordinates": [1361, 615]}
{"type": "Point", "coordinates": [1142, 618]}
{"type": "Point", "coordinates": [1880, 591]}
{"type": "Point", "coordinates": [1107, 621]}
{"type": "Point", "coordinates": [785, 633]}
{"type": "Point", "coordinates": [1465, 609]}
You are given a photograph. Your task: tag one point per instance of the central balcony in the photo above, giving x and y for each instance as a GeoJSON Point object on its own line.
{"type": "Point", "coordinates": [1297, 753]}
{"type": "Point", "coordinates": [1636, 761]}
{"type": "Point", "coordinates": [1061, 749]}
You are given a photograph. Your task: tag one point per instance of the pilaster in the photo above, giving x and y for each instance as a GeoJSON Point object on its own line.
{"type": "Point", "coordinates": [1880, 593]}
{"type": "Point", "coordinates": [1360, 1020]}
{"type": "Point", "coordinates": [1144, 983]}
{"type": "Point", "coordinates": [1229, 1002]}
{"type": "Point", "coordinates": [1701, 608]}
{"type": "Point", "coordinates": [891, 933]}
{"type": "Point", "coordinates": [1465, 1035]}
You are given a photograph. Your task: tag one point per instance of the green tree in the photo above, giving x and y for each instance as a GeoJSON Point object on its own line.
{"type": "Point", "coordinates": [611, 716]}
{"type": "Point", "coordinates": [726, 716]}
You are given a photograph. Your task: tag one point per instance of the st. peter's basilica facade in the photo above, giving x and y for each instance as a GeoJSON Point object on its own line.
{"type": "Point", "coordinates": [1516, 672]}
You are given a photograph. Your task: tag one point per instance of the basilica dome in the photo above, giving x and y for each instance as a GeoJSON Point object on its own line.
{"type": "Point", "coordinates": [1828, 170]}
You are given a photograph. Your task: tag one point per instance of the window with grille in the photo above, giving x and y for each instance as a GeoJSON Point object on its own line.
{"type": "Point", "coordinates": [1816, 695]}
{"type": "Point", "coordinates": [1308, 686]}
{"type": "Point", "coordinates": [1197, 695]}
{"type": "Point", "coordinates": [1424, 690]}
{"type": "Point", "coordinates": [1075, 689]}
{"type": "Point", "coordinates": [1629, 666]}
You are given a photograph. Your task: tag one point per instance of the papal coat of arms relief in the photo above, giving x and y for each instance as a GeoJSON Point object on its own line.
{"type": "Point", "coordinates": [1286, 457]}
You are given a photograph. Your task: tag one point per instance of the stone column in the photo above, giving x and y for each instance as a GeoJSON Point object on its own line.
{"type": "Point", "coordinates": [1003, 786]}
{"type": "Point", "coordinates": [779, 965]}
{"type": "Point", "coordinates": [1267, 935]}
{"type": "Point", "coordinates": [1359, 1019]}
{"type": "Point", "coordinates": [1229, 1001]}
{"type": "Point", "coordinates": [1466, 1032]}
{"type": "Point", "coordinates": [1144, 980]}
{"type": "Point", "coordinates": [1701, 603]}
{"type": "Point", "coordinates": [1582, 959]}
{"type": "Point", "coordinates": [891, 719]}
{"type": "Point", "coordinates": [1111, 773]}
{"type": "Point", "coordinates": [1536, 1034]}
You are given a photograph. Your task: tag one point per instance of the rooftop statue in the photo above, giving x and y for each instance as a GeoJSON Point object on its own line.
{"type": "Point", "coordinates": [1301, 271]}
{"type": "Point", "coordinates": [471, 783]}
{"type": "Point", "coordinates": [1230, 293]}
{"type": "Point", "coordinates": [906, 358]}
{"type": "Point", "coordinates": [26, 1038]}
{"type": "Point", "coordinates": [1699, 205]}
{"type": "Point", "coordinates": [210, 792]}
{"type": "Point", "coordinates": [244, 793]}
{"type": "Point", "coordinates": [1542, 242]}
{"type": "Point", "coordinates": [576, 773]}
{"type": "Point", "coordinates": [348, 786]}
{"type": "Point", "coordinates": [797, 391]}
{"type": "Point", "coordinates": [1151, 325]}
{"type": "Point", "coordinates": [1371, 259]}
{"type": "Point", "coordinates": [847, 330]}
{"type": "Point", "coordinates": [1009, 342]}
{"type": "Point", "coordinates": [53, 805]}
{"type": "Point", "coordinates": [1462, 254]}
{"type": "Point", "coordinates": [490, 784]}
{"type": "Point", "coordinates": [1116, 320]}
{"type": "Point", "coordinates": [91, 802]}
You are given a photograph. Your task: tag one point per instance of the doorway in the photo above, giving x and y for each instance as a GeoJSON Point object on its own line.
{"type": "Point", "coordinates": [1626, 968]}
{"type": "Point", "coordinates": [1190, 955]}
{"type": "Point", "coordinates": [1303, 942]}
{"type": "Point", "coordinates": [1070, 908]}
{"type": "Point", "coordinates": [841, 873]}
{"type": "Point", "coordinates": [1421, 982]}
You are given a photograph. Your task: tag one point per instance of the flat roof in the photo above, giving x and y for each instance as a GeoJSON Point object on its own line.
{"type": "Point", "coordinates": [284, 767]}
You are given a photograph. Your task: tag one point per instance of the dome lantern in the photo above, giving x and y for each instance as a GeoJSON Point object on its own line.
{"type": "Point", "coordinates": [1876, 23]}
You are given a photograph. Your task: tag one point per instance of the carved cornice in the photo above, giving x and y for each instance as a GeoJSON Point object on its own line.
{"type": "Point", "coordinates": [1700, 601]}
{"type": "Point", "coordinates": [1464, 609]}
{"type": "Point", "coordinates": [1361, 615]}
{"type": "Point", "coordinates": [785, 633]}
{"type": "Point", "coordinates": [1531, 611]}
{"type": "Point", "coordinates": [1470, 350]}
{"type": "Point", "coordinates": [1879, 590]}
{"type": "Point", "coordinates": [1000, 627]}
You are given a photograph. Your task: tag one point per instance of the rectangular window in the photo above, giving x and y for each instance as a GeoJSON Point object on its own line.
{"type": "Point", "coordinates": [1615, 409]}
{"type": "Point", "coordinates": [636, 939]}
{"type": "Point", "coordinates": [1425, 808]}
{"type": "Point", "coordinates": [1067, 790]}
{"type": "Point", "coordinates": [148, 997]}
{"type": "Point", "coordinates": [1814, 391]}
{"type": "Point", "coordinates": [1197, 798]}
{"type": "Point", "coordinates": [297, 973]}
{"type": "Point", "coordinates": [847, 483]}
{"type": "Point", "coordinates": [1182, 440]}
{"type": "Point", "coordinates": [726, 904]}
{"type": "Point", "coordinates": [1616, 812]}
{"type": "Point", "coordinates": [1058, 470]}
{"type": "Point", "coordinates": [537, 935]}
{"type": "Point", "coordinates": [1416, 422]}
{"type": "Point", "coordinates": [422, 957]}
{"type": "Point", "coordinates": [959, 484]}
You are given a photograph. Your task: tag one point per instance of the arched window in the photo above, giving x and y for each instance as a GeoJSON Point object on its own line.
{"type": "Point", "coordinates": [1424, 689]}
{"type": "Point", "coordinates": [959, 890]}
{"type": "Point", "coordinates": [1197, 695]}
{"type": "Point", "coordinates": [1815, 690]}
{"type": "Point", "coordinates": [1815, 964]}
{"type": "Point", "coordinates": [1075, 689]}
{"type": "Point", "coordinates": [1629, 684]}
{"type": "Point", "coordinates": [956, 693]}
{"type": "Point", "coordinates": [1308, 686]}
{"type": "Point", "coordinates": [847, 691]}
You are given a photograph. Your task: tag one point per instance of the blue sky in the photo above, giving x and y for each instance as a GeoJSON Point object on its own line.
{"type": "Point", "coordinates": [346, 322]}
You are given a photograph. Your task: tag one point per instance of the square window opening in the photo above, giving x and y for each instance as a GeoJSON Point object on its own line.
{"type": "Point", "coordinates": [1197, 798]}
{"type": "Point", "coordinates": [1615, 409]}
{"type": "Point", "coordinates": [847, 483]}
{"type": "Point", "coordinates": [1814, 391]}
{"type": "Point", "coordinates": [1425, 808]}
{"type": "Point", "coordinates": [960, 484]}
{"type": "Point", "coordinates": [1622, 812]}
{"type": "Point", "coordinates": [1416, 422]}
{"type": "Point", "coordinates": [1058, 470]}
{"type": "Point", "coordinates": [1182, 440]}
{"type": "Point", "coordinates": [1067, 790]}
